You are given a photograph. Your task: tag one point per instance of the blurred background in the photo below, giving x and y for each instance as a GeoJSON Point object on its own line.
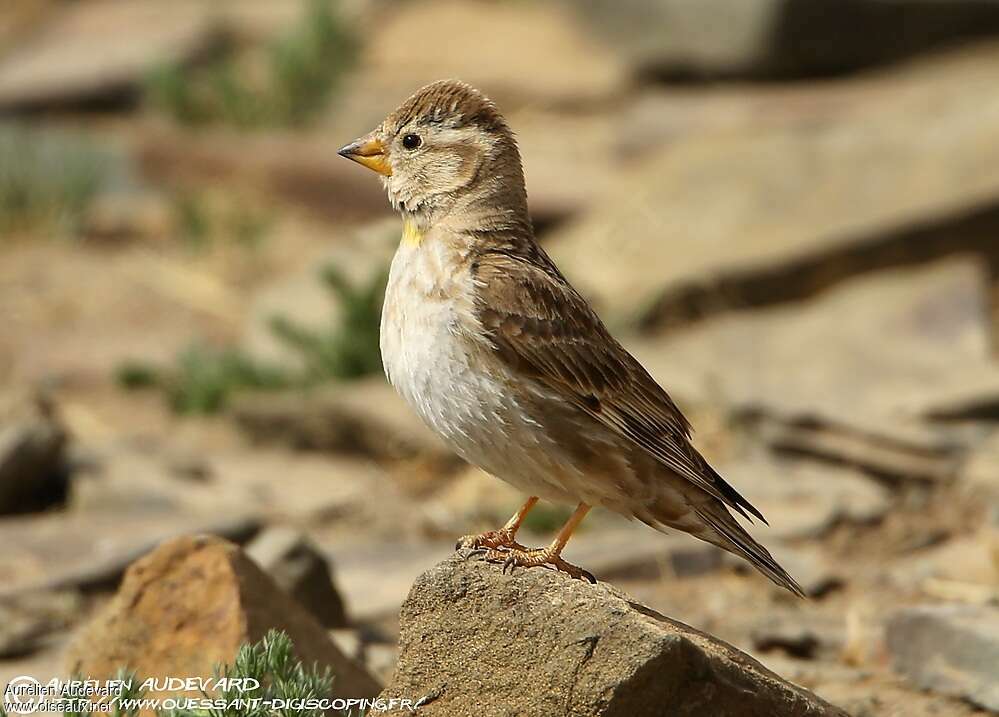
{"type": "Point", "coordinates": [787, 209]}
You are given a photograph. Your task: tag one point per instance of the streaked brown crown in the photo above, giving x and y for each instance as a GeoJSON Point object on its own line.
{"type": "Point", "coordinates": [451, 103]}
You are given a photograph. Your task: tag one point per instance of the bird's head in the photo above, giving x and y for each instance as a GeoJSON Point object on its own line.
{"type": "Point", "coordinates": [445, 151]}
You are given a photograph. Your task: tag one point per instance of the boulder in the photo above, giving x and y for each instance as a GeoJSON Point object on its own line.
{"type": "Point", "coordinates": [477, 641]}
{"type": "Point", "coordinates": [951, 649]}
{"type": "Point", "coordinates": [302, 571]}
{"type": "Point", "coordinates": [188, 606]}
{"type": "Point", "coordinates": [843, 377]}
{"type": "Point", "coordinates": [781, 38]}
{"type": "Point", "coordinates": [735, 217]}
{"type": "Point", "coordinates": [33, 472]}
{"type": "Point", "coordinates": [57, 65]}
{"type": "Point", "coordinates": [557, 62]}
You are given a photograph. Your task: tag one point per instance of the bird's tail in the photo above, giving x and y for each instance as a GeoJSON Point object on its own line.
{"type": "Point", "coordinates": [728, 534]}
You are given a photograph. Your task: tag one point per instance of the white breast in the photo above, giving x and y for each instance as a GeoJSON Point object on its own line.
{"type": "Point", "coordinates": [434, 355]}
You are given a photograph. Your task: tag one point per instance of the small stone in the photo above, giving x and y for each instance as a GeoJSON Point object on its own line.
{"type": "Point", "coordinates": [302, 571]}
{"type": "Point", "coordinates": [950, 649]}
{"type": "Point", "coordinates": [33, 473]}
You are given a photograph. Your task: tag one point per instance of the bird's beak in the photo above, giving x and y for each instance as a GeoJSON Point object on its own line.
{"type": "Point", "coordinates": [369, 151]}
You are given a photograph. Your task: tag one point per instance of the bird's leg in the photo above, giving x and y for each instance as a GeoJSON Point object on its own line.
{"type": "Point", "coordinates": [552, 555]}
{"type": "Point", "coordinates": [505, 537]}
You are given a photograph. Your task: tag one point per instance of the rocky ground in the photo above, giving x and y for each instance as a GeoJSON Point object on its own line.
{"type": "Point", "coordinates": [799, 239]}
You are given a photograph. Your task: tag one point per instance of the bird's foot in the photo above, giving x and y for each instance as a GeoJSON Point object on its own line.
{"type": "Point", "coordinates": [490, 540]}
{"type": "Point", "coordinates": [530, 558]}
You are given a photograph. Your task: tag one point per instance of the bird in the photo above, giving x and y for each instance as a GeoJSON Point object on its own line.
{"type": "Point", "coordinates": [488, 342]}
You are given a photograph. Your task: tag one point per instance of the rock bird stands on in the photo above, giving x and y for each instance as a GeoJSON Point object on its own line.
{"type": "Point", "coordinates": [493, 348]}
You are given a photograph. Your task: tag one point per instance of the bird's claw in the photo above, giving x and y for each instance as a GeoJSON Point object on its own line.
{"type": "Point", "coordinates": [512, 558]}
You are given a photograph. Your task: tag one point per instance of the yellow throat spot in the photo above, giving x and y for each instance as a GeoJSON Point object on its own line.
{"type": "Point", "coordinates": [412, 235]}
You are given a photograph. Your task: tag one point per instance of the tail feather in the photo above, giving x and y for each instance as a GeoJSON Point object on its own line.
{"type": "Point", "coordinates": [734, 538]}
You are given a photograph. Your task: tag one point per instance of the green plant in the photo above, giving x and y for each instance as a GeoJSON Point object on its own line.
{"type": "Point", "coordinates": [272, 667]}
{"type": "Point", "coordinates": [204, 379]}
{"type": "Point", "coordinates": [272, 664]}
{"type": "Point", "coordinates": [348, 348]}
{"type": "Point", "coordinates": [302, 70]}
{"type": "Point", "coordinates": [124, 703]}
{"type": "Point", "coordinates": [47, 179]}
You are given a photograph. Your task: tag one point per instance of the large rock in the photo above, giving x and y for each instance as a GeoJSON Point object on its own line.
{"type": "Point", "coordinates": [557, 61]}
{"type": "Point", "coordinates": [476, 641]}
{"type": "Point", "coordinates": [767, 38]}
{"type": "Point", "coordinates": [33, 472]}
{"type": "Point", "coordinates": [188, 606]}
{"type": "Point", "coordinates": [729, 218]}
{"type": "Point", "coordinates": [59, 65]}
{"type": "Point", "coordinates": [952, 649]}
{"type": "Point", "coordinates": [845, 376]}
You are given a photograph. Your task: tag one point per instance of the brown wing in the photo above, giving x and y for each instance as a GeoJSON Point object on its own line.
{"type": "Point", "coordinates": [541, 326]}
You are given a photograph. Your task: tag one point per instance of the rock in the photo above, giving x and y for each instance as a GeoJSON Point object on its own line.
{"type": "Point", "coordinates": [557, 63]}
{"type": "Point", "coordinates": [298, 568]}
{"type": "Point", "coordinates": [474, 640]}
{"type": "Point", "coordinates": [30, 621]}
{"type": "Point", "coordinates": [375, 577]}
{"type": "Point", "coordinates": [366, 417]}
{"type": "Point", "coordinates": [883, 451]}
{"type": "Point", "coordinates": [734, 218]}
{"type": "Point", "coordinates": [188, 606]}
{"type": "Point", "coordinates": [301, 489]}
{"type": "Point", "coordinates": [980, 473]}
{"type": "Point", "coordinates": [33, 473]}
{"type": "Point", "coordinates": [842, 377]}
{"type": "Point", "coordinates": [798, 635]}
{"type": "Point", "coordinates": [61, 551]}
{"type": "Point", "coordinates": [950, 649]}
{"type": "Point", "coordinates": [57, 67]}
{"type": "Point", "coordinates": [803, 499]}
{"type": "Point", "coordinates": [968, 560]}
{"type": "Point", "coordinates": [775, 38]}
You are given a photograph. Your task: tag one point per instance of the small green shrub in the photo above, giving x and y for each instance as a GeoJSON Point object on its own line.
{"type": "Point", "coordinates": [302, 70]}
{"type": "Point", "coordinates": [203, 379]}
{"type": "Point", "coordinates": [271, 662]}
{"type": "Point", "coordinates": [348, 348]}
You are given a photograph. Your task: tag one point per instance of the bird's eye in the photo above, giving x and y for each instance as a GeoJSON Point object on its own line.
{"type": "Point", "coordinates": [411, 141]}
